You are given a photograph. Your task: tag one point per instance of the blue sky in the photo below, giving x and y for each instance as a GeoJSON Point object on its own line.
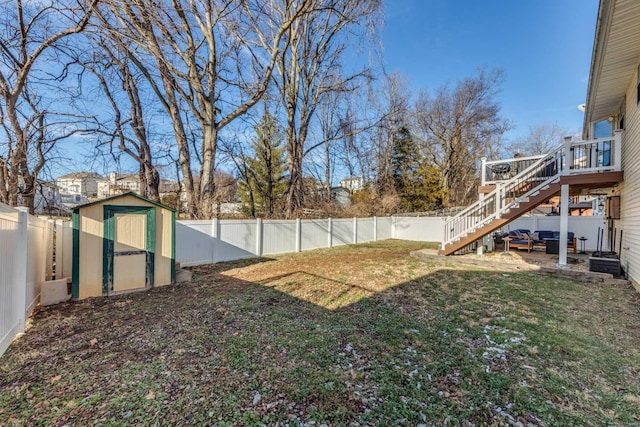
{"type": "Point", "coordinates": [544, 47]}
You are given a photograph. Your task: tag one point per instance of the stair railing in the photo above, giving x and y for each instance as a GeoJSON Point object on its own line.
{"type": "Point", "coordinates": [505, 196]}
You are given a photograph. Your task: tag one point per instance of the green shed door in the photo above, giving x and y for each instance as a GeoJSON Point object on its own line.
{"type": "Point", "coordinates": [129, 248]}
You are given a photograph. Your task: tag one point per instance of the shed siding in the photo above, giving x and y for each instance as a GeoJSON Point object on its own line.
{"type": "Point", "coordinates": [630, 189]}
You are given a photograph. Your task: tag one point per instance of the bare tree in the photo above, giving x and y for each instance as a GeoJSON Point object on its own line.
{"type": "Point", "coordinates": [310, 67]}
{"type": "Point", "coordinates": [32, 31]}
{"type": "Point", "coordinates": [541, 139]}
{"type": "Point", "coordinates": [458, 126]}
{"type": "Point", "coordinates": [203, 62]}
{"type": "Point", "coordinates": [123, 87]}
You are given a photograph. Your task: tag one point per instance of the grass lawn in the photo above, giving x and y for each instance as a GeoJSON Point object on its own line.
{"type": "Point", "coordinates": [360, 335]}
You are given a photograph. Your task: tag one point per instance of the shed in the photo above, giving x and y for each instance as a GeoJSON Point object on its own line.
{"type": "Point", "coordinates": [122, 244]}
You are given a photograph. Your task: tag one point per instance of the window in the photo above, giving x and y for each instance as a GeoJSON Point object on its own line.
{"type": "Point", "coordinates": [603, 129]}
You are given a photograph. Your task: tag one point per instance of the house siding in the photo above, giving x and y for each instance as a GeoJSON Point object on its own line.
{"type": "Point", "coordinates": [630, 189]}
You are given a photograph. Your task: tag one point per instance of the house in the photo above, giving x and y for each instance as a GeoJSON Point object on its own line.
{"type": "Point", "coordinates": [341, 195]}
{"type": "Point", "coordinates": [353, 183]}
{"type": "Point", "coordinates": [82, 183]}
{"type": "Point", "coordinates": [123, 183]}
{"type": "Point", "coordinates": [603, 164]}
{"type": "Point", "coordinates": [47, 200]}
{"type": "Point", "coordinates": [613, 104]}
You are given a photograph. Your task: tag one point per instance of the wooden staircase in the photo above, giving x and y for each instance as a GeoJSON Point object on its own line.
{"type": "Point", "coordinates": [508, 215]}
{"type": "Point", "coordinates": [508, 200]}
{"type": "Point", "coordinates": [588, 164]}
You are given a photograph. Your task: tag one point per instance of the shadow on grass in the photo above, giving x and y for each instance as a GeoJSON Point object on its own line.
{"type": "Point", "coordinates": [445, 347]}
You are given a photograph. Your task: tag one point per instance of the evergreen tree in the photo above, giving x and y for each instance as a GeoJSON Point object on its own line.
{"type": "Point", "coordinates": [417, 182]}
{"type": "Point", "coordinates": [263, 182]}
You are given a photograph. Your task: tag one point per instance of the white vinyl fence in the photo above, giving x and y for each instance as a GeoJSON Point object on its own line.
{"type": "Point", "coordinates": [210, 241]}
{"type": "Point", "coordinates": [26, 260]}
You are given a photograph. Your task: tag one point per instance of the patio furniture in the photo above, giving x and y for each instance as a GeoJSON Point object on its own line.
{"type": "Point", "coordinates": [501, 171]}
{"type": "Point", "coordinates": [520, 240]}
{"type": "Point", "coordinates": [552, 246]}
{"type": "Point", "coordinates": [542, 238]}
{"type": "Point", "coordinates": [582, 244]}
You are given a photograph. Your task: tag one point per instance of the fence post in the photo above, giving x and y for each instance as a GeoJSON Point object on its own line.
{"type": "Point", "coordinates": [58, 248]}
{"type": "Point", "coordinates": [393, 227]}
{"type": "Point", "coordinates": [355, 230]}
{"type": "Point", "coordinates": [215, 233]}
{"type": "Point", "coordinates": [330, 234]}
{"type": "Point", "coordinates": [298, 235]}
{"type": "Point", "coordinates": [375, 228]}
{"type": "Point", "coordinates": [21, 270]}
{"type": "Point", "coordinates": [258, 236]}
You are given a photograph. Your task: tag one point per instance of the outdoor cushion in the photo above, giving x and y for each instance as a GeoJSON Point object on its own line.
{"type": "Point", "coordinates": [543, 235]}
{"type": "Point", "coordinates": [523, 230]}
{"type": "Point", "coordinates": [570, 234]}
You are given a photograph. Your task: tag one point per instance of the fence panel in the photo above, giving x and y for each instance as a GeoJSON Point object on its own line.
{"type": "Point", "coordinates": [384, 228]}
{"type": "Point", "coordinates": [49, 226]}
{"type": "Point", "coordinates": [365, 230]}
{"type": "Point", "coordinates": [63, 249]}
{"type": "Point", "coordinates": [237, 240]}
{"type": "Point", "coordinates": [342, 232]}
{"type": "Point", "coordinates": [278, 237]}
{"type": "Point", "coordinates": [314, 233]}
{"type": "Point", "coordinates": [194, 242]}
{"type": "Point", "coordinates": [37, 252]}
{"type": "Point", "coordinates": [10, 318]}
{"type": "Point", "coordinates": [422, 229]}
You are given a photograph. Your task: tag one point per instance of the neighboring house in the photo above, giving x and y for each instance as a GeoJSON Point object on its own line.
{"type": "Point", "coordinates": [123, 183]}
{"type": "Point", "coordinates": [82, 183]}
{"type": "Point", "coordinates": [342, 196]}
{"type": "Point", "coordinates": [604, 164]}
{"type": "Point", "coordinates": [353, 184]}
{"type": "Point", "coordinates": [47, 199]}
{"type": "Point", "coordinates": [70, 201]}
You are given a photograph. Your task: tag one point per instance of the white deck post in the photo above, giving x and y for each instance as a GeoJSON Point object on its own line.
{"type": "Point", "coordinates": [568, 157]}
{"type": "Point", "coordinates": [617, 150]}
{"type": "Point", "coordinates": [483, 170]}
{"type": "Point", "coordinates": [480, 248]}
{"type": "Point", "coordinates": [564, 223]}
